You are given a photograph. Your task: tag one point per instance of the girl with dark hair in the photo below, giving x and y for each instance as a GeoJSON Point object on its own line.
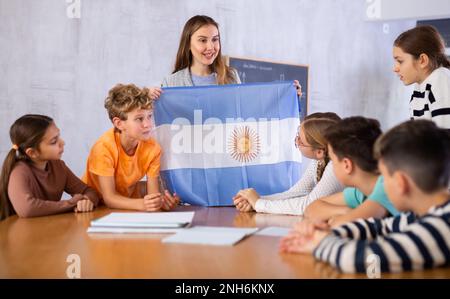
{"type": "Point", "coordinates": [33, 177]}
{"type": "Point", "coordinates": [420, 58]}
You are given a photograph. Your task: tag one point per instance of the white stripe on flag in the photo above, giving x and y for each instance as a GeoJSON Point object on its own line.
{"type": "Point", "coordinates": [217, 145]}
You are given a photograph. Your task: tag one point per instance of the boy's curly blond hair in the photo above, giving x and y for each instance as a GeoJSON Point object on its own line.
{"type": "Point", "coordinates": [124, 98]}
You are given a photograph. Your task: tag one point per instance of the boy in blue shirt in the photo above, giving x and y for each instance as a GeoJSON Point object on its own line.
{"type": "Point", "coordinates": [350, 146]}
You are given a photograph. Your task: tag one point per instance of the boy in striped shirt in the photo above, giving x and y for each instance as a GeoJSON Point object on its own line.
{"type": "Point", "coordinates": [414, 158]}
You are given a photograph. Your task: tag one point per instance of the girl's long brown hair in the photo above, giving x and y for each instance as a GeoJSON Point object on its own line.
{"type": "Point", "coordinates": [26, 132]}
{"type": "Point", "coordinates": [424, 39]}
{"type": "Point", "coordinates": [184, 55]}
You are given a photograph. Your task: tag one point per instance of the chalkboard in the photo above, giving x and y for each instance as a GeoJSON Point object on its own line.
{"type": "Point", "coordinates": [251, 70]}
{"type": "Point", "coordinates": [443, 27]}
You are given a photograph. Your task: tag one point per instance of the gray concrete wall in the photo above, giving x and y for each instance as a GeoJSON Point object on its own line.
{"type": "Point", "coordinates": [63, 67]}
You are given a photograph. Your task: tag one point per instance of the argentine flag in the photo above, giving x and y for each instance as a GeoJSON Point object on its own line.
{"type": "Point", "coordinates": [217, 140]}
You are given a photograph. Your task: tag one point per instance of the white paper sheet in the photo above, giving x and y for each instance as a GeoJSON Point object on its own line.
{"type": "Point", "coordinates": [224, 229]}
{"type": "Point", "coordinates": [208, 235]}
{"type": "Point", "coordinates": [149, 220]}
{"type": "Point", "coordinates": [274, 231]}
{"type": "Point", "coordinates": [135, 230]}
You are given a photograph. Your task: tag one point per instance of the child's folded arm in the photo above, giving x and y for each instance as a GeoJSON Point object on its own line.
{"type": "Point", "coordinates": [297, 204]}
{"type": "Point", "coordinates": [366, 210]}
{"type": "Point", "coordinates": [326, 207]}
{"type": "Point", "coordinates": [288, 206]}
{"type": "Point", "coordinates": [76, 186]}
{"type": "Point", "coordinates": [27, 205]}
{"type": "Point", "coordinates": [303, 187]}
{"type": "Point", "coordinates": [115, 200]}
{"type": "Point", "coordinates": [371, 228]}
{"type": "Point", "coordinates": [420, 245]}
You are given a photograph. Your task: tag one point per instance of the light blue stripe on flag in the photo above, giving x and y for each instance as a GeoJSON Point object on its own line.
{"type": "Point", "coordinates": [230, 138]}
{"type": "Point", "coordinates": [223, 183]}
{"type": "Point", "coordinates": [257, 100]}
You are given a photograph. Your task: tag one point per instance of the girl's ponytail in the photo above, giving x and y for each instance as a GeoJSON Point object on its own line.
{"type": "Point", "coordinates": [314, 127]}
{"type": "Point", "coordinates": [321, 165]}
{"type": "Point", "coordinates": [444, 61]}
{"type": "Point", "coordinates": [6, 208]}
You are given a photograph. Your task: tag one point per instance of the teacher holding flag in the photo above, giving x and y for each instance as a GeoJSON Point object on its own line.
{"type": "Point", "coordinates": [199, 58]}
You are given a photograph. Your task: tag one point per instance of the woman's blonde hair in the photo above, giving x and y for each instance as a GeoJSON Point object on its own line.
{"type": "Point", "coordinates": [184, 55]}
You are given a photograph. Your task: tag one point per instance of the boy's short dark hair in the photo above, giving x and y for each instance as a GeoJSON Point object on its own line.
{"type": "Point", "coordinates": [353, 138]}
{"type": "Point", "coordinates": [124, 98]}
{"type": "Point", "coordinates": [419, 148]}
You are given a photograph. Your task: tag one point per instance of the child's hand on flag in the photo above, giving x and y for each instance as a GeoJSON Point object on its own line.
{"type": "Point", "coordinates": [169, 201]}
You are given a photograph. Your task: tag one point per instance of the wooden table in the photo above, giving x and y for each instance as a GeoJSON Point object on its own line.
{"type": "Point", "coordinates": [39, 247]}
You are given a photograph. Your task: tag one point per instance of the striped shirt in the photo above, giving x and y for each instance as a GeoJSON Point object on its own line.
{"type": "Point", "coordinates": [295, 200]}
{"type": "Point", "coordinates": [431, 98]}
{"type": "Point", "coordinates": [402, 243]}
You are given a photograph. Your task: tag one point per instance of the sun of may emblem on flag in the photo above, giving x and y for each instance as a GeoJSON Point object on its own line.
{"type": "Point", "coordinates": [243, 144]}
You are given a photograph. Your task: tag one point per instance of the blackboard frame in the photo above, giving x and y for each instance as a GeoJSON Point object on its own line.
{"type": "Point", "coordinates": [272, 71]}
{"type": "Point", "coordinates": [443, 27]}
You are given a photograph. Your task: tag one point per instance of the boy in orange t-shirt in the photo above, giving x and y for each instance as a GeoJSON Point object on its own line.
{"type": "Point", "coordinates": [123, 155]}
